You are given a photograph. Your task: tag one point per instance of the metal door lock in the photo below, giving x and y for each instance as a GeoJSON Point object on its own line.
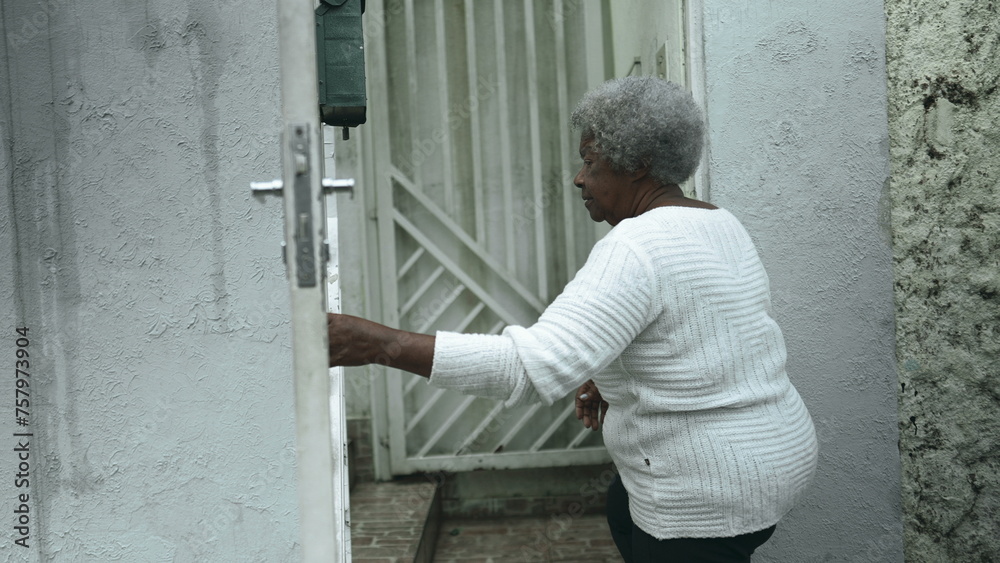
{"type": "Point", "coordinates": [330, 187]}
{"type": "Point", "coordinates": [276, 187]}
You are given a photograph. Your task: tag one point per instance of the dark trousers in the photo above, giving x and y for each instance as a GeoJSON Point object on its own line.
{"type": "Point", "coordinates": [637, 546]}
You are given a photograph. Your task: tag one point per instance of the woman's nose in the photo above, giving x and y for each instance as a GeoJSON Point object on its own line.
{"type": "Point", "coordinates": [578, 180]}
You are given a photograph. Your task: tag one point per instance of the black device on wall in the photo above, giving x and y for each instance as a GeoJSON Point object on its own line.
{"type": "Point", "coordinates": [341, 60]}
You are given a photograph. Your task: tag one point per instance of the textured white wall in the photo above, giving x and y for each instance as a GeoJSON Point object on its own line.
{"type": "Point", "coordinates": [150, 279]}
{"type": "Point", "coordinates": [799, 152]}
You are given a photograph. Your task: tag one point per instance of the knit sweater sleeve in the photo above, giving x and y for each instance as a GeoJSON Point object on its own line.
{"type": "Point", "coordinates": [586, 328]}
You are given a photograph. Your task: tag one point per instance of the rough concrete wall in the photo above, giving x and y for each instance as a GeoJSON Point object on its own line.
{"type": "Point", "coordinates": [150, 281]}
{"type": "Point", "coordinates": [943, 74]}
{"type": "Point", "coordinates": [799, 152]}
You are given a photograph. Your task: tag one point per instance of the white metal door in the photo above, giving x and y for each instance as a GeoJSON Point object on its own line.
{"type": "Point", "coordinates": [321, 448]}
{"type": "Point", "coordinates": [479, 225]}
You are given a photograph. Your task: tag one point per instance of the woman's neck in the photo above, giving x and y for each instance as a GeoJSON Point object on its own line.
{"type": "Point", "coordinates": [672, 195]}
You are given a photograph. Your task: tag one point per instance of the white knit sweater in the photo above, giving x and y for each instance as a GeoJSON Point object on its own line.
{"type": "Point", "coordinates": [670, 316]}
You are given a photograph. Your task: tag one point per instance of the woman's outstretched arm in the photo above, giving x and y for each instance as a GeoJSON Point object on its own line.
{"type": "Point", "coordinates": [356, 342]}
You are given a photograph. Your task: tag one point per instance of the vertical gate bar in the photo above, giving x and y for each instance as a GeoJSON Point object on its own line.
{"type": "Point", "coordinates": [387, 207]}
{"type": "Point", "coordinates": [570, 199]}
{"type": "Point", "coordinates": [322, 508]}
{"type": "Point", "coordinates": [597, 72]}
{"type": "Point", "coordinates": [505, 149]}
{"type": "Point", "coordinates": [474, 127]}
{"type": "Point", "coordinates": [694, 60]}
{"type": "Point", "coordinates": [387, 438]}
{"type": "Point", "coordinates": [541, 241]}
{"type": "Point", "coordinates": [444, 99]}
{"type": "Point", "coordinates": [412, 95]}
{"type": "Point", "coordinates": [675, 50]}
{"type": "Point", "coordinates": [397, 416]}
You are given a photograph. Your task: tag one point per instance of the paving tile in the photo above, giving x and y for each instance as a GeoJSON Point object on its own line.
{"type": "Point", "coordinates": [387, 521]}
{"type": "Point", "coordinates": [585, 539]}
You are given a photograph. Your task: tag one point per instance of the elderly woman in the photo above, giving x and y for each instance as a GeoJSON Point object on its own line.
{"type": "Point", "coordinates": [666, 335]}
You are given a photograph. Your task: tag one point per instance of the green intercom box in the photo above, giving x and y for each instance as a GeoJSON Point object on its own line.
{"type": "Point", "coordinates": [341, 59]}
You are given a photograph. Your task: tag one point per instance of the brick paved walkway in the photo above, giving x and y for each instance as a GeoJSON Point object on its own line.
{"type": "Point", "coordinates": [388, 521]}
{"type": "Point", "coordinates": [401, 522]}
{"type": "Point", "coordinates": [584, 539]}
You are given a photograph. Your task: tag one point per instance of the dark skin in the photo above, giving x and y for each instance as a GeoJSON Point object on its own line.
{"type": "Point", "coordinates": [356, 342]}
{"type": "Point", "coordinates": [613, 196]}
{"type": "Point", "coordinates": [608, 195]}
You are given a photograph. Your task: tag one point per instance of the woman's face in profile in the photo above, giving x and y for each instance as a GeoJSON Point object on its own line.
{"type": "Point", "coordinates": [604, 191]}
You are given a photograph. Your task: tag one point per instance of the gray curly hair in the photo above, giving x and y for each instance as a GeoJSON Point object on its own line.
{"type": "Point", "coordinates": [643, 120]}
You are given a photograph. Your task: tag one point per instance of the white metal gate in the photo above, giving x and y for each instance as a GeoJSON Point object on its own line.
{"type": "Point", "coordinates": [479, 225]}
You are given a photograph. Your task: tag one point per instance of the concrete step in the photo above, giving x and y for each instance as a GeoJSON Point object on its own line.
{"type": "Point", "coordinates": [485, 517]}
{"type": "Point", "coordinates": [402, 522]}
{"type": "Point", "coordinates": [395, 522]}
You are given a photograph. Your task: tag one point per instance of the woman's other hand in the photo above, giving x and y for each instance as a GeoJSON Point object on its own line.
{"type": "Point", "coordinates": [590, 406]}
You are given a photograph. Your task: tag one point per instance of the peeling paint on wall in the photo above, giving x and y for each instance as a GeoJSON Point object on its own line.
{"type": "Point", "coordinates": [946, 234]}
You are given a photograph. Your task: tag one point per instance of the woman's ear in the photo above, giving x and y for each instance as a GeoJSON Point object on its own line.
{"type": "Point", "coordinates": [641, 172]}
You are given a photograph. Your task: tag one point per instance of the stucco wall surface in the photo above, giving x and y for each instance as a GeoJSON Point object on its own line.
{"type": "Point", "coordinates": [799, 152]}
{"type": "Point", "coordinates": [943, 74]}
{"type": "Point", "coordinates": [150, 280]}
